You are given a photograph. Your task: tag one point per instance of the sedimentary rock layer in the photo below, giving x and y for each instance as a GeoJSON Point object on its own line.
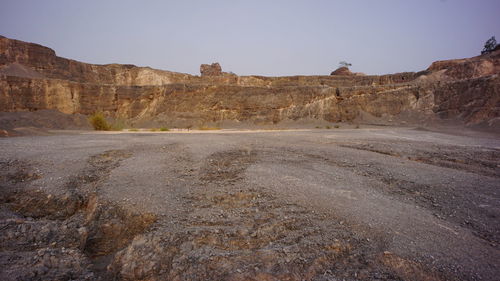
{"type": "Point", "coordinates": [32, 77]}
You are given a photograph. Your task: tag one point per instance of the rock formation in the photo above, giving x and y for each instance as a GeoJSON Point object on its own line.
{"type": "Point", "coordinates": [344, 70]}
{"type": "Point", "coordinates": [213, 69]}
{"type": "Point", "coordinates": [32, 78]}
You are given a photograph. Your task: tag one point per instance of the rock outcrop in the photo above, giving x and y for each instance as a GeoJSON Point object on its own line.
{"type": "Point", "coordinates": [213, 69]}
{"type": "Point", "coordinates": [33, 78]}
{"type": "Point", "coordinates": [344, 70]}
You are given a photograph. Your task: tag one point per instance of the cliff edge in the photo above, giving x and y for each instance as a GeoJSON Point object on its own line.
{"type": "Point", "coordinates": [33, 77]}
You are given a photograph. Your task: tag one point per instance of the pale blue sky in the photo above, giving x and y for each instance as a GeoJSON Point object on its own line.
{"type": "Point", "coordinates": [257, 37]}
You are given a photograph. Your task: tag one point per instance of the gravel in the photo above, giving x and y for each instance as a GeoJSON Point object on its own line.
{"type": "Point", "coordinates": [355, 204]}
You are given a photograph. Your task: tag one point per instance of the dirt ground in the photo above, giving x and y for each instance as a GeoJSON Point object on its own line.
{"type": "Point", "coordinates": [341, 204]}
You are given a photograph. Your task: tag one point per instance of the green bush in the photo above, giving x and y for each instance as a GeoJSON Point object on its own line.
{"type": "Point", "coordinates": [336, 126]}
{"type": "Point", "coordinates": [98, 121]}
{"type": "Point", "coordinates": [164, 129]}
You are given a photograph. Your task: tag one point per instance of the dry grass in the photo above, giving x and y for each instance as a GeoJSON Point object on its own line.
{"type": "Point", "coordinates": [98, 122]}
{"type": "Point", "coordinates": [205, 128]}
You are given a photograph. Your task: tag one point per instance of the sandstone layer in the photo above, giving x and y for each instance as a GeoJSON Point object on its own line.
{"type": "Point", "coordinates": [33, 77]}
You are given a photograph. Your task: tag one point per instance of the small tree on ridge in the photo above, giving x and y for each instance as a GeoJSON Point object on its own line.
{"type": "Point", "coordinates": [344, 64]}
{"type": "Point", "coordinates": [489, 46]}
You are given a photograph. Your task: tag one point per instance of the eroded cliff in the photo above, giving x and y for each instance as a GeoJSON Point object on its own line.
{"type": "Point", "coordinates": [32, 78]}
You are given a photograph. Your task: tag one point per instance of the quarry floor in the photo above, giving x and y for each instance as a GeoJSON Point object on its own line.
{"type": "Point", "coordinates": [341, 204]}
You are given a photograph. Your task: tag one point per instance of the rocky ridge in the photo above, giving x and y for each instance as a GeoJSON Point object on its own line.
{"type": "Point", "coordinates": [33, 77]}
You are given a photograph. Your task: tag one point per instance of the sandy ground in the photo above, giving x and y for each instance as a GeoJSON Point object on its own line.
{"type": "Point", "coordinates": [340, 204]}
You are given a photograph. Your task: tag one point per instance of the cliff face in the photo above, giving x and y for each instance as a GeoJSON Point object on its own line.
{"type": "Point", "coordinates": [467, 89]}
{"type": "Point", "coordinates": [44, 61]}
{"type": "Point", "coordinates": [32, 77]}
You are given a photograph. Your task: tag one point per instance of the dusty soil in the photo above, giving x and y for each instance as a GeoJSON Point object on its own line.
{"type": "Point", "coordinates": [339, 204]}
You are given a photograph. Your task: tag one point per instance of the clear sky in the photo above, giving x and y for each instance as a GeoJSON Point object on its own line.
{"type": "Point", "coordinates": [273, 37]}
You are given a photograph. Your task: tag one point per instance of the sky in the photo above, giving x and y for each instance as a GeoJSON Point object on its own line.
{"type": "Point", "coordinates": [254, 37]}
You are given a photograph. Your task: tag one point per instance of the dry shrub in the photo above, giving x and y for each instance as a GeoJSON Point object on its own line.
{"type": "Point", "coordinates": [98, 121]}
